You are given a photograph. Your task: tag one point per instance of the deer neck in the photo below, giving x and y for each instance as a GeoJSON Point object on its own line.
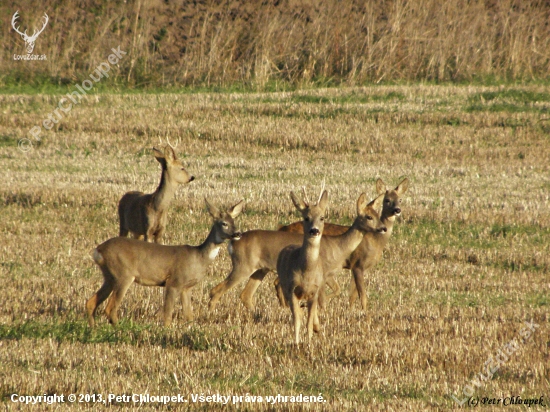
{"type": "Point", "coordinates": [309, 253]}
{"type": "Point", "coordinates": [387, 219]}
{"type": "Point", "coordinates": [211, 246]}
{"type": "Point", "coordinates": [336, 249]}
{"type": "Point", "coordinates": [382, 239]}
{"type": "Point", "coordinates": [349, 240]}
{"type": "Point", "coordinates": [165, 192]}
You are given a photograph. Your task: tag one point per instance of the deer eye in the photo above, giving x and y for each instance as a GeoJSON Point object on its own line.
{"type": "Point", "coordinates": [322, 219]}
{"type": "Point", "coordinates": [224, 224]}
{"type": "Point", "coordinates": [369, 217]}
{"type": "Point", "coordinates": [306, 219]}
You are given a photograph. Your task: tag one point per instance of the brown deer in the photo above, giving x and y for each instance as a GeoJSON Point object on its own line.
{"type": "Point", "coordinates": [124, 261]}
{"type": "Point", "coordinates": [256, 253]}
{"type": "Point", "coordinates": [145, 215]}
{"type": "Point", "coordinates": [369, 252]}
{"type": "Point", "coordinates": [300, 268]}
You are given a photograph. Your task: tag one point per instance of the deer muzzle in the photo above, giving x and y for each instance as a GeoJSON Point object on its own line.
{"type": "Point", "coordinates": [315, 232]}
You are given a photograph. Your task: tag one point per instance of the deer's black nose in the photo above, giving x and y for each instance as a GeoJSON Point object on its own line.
{"type": "Point", "coordinates": [382, 229]}
{"type": "Point", "coordinates": [314, 232]}
{"type": "Point", "coordinates": [397, 211]}
{"type": "Point", "coordinates": [192, 178]}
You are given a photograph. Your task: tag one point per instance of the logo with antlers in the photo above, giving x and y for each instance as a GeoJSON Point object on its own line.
{"type": "Point", "coordinates": [29, 40]}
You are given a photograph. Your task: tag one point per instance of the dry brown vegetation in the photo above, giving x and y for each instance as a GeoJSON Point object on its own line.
{"type": "Point", "coordinates": [467, 266]}
{"type": "Point", "coordinates": [264, 42]}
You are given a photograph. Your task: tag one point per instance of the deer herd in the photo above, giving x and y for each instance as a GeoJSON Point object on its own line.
{"type": "Point", "coordinates": [306, 255]}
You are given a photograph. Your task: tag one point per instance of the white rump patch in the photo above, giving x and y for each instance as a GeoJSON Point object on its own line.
{"type": "Point", "coordinates": [96, 256]}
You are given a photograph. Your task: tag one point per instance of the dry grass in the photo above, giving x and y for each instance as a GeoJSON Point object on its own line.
{"type": "Point", "coordinates": [467, 265]}
{"type": "Point", "coordinates": [263, 42]}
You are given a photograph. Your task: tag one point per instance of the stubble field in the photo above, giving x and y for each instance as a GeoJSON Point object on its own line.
{"type": "Point", "coordinates": [466, 268]}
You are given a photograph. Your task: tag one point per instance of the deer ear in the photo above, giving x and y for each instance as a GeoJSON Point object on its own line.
{"type": "Point", "coordinates": [361, 203]}
{"type": "Point", "coordinates": [298, 203]}
{"type": "Point", "coordinates": [158, 154]}
{"type": "Point", "coordinates": [213, 210]}
{"type": "Point", "coordinates": [376, 204]}
{"type": "Point", "coordinates": [380, 186]}
{"type": "Point", "coordinates": [323, 200]}
{"type": "Point", "coordinates": [160, 157]}
{"type": "Point", "coordinates": [169, 154]}
{"type": "Point", "coordinates": [236, 210]}
{"type": "Point", "coordinates": [402, 187]}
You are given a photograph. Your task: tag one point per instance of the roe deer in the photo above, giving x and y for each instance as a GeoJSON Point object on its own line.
{"type": "Point", "coordinates": [124, 261]}
{"type": "Point", "coordinates": [369, 252]}
{"type": "Point", "coordinates": [144, 215]}
{"type": "Point", "coordinates": [300, 268]}
{"type": "Point", "coordinates": [255, 254]}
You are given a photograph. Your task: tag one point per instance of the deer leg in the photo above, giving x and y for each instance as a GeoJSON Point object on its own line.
{"type": "Point", "coordinates": [159, 232]}
{"type": "Point", "coordinates": [360, 287]}
{"type": "Point", "coordinates": [186, 303]}
{"type": "Point", "coordinates": [322, 297]}
{"type": "Point", "coordinates": [97, 299]}
{"type": "Point", "coordinates": [119, 290]}
{"type": "Point", "coordinates": [316, 323]}
{"type": "Point", "coordinates": [296, 316]}
{"type": "Point", "coordinates": [150, 235]}
{"type": "Point", "coordinates": [157, 237]}
{"type": "Point", "coordinates": [161, 226]}
{"type": "Point", "coordinates": [146, 227]}
{"type": "Point", "coordinates": [247, 295]}
{"type": "Point", "coordinates": [280, 295]}
{"type": "Point", "coordinates": [312, 317]}
{"type": "Point", "coordinates": [236, 276]}
{"type": "Point", "coordinates": [352, 293]}
{"type": "Point", "coordinates": [331, 282]}
{"type": "Point", "coordinates": [170, 294]}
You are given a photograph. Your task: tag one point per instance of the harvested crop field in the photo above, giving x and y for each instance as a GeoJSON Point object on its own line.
{"type": "Point", "coordinates": [463, 286]}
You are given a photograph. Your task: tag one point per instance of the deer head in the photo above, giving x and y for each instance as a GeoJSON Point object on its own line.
{"type": "Point", "coordinates": [29, 40]}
